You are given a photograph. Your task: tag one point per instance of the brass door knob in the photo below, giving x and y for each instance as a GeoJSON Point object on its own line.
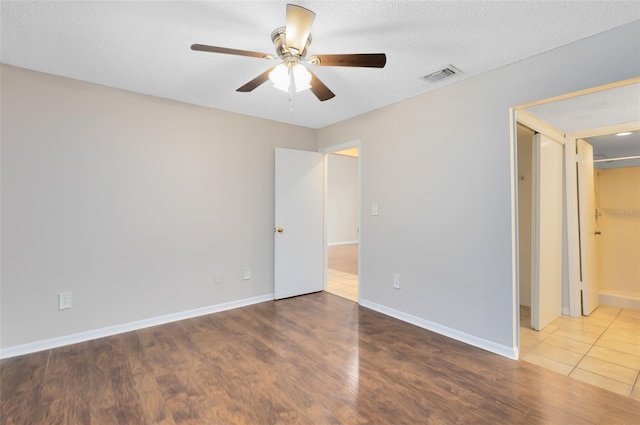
{"type": "Point", "coordinates": [280, 230]}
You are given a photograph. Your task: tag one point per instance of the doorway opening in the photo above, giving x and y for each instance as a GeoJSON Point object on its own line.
{"type": "Point", "coordinates": [342, 217]}
{"type": "Point", "coordinates": [586, 344]}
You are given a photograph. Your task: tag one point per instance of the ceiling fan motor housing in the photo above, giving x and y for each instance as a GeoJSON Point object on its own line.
{"type": "Point", "coordinates": [279, 39]}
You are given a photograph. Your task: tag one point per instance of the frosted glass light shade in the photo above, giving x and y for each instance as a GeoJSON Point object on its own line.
{"type": "Point", "coordinates": [302, 77]}
{"type": "Point", "coordinates": [282, 76]}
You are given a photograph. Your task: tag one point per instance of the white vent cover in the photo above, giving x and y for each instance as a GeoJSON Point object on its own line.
{"type": "Point", "coordinates": [446, 72]}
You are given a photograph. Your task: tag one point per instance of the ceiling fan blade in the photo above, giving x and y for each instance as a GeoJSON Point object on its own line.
{"type": "Point", "coordinates": [299, 22]}
{"type": "Point", "coordinates": [318, 88]}
{"type": "Point", "coordinates": [215, 49]}
{"type": "Point", "coordinates": [260, 79]}
{"type": "Point", "coordinates": [366, 60]}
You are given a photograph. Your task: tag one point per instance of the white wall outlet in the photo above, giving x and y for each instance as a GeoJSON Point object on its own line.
{"type": "Point", "coordinates": [64, 300]}
{"type": "Point", "coordinates": [218, 277]}
{"type": "Point", "coordinates": [396, 281]}
{"type": "Point", "coordinates": [246, 273]}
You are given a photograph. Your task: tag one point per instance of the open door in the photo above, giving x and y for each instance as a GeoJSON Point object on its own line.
{"type": "Point", "coordinates": [589, 285]}
{"type": "Point", "coordinates": [546, 258]}
{"type": "Point", "coordinates": [299, 223]}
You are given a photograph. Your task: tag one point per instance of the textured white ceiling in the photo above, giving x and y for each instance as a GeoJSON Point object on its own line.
{"type": "Point", "coordinates": [145, 46]}
{"type": "Point", "coordinates": [596, 110]}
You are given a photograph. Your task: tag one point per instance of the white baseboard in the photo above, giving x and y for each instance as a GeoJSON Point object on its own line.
{"type": "Point", "coordinates": [342, 243]}
{"type": "Point", "coordinates": [48, 344]}
{"type": "Point", "coordinates": [620, 299]}
{"type": "Point", "coordinates": [503, 350]}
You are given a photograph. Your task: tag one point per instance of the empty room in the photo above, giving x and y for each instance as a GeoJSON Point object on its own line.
{"type": "Point", "coordinates": [175, 221]}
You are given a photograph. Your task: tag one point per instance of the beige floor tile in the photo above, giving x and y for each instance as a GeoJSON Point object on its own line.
{"type": "Point", "coordinates": [625, 326]}
{"type": "Point", "coordinates": [584, 325]}
{"type": "Point", "coordinates": [629, 319]}
{"type": "Point", "coordinates": [618, 345]}
{"type": "Point", "coordinates": [530, 338]}
{"type": "Point", "coordinates": [558, 354]}
{"type": "Point", "coordinates": [578, 335]}
{"type": "Point", "coordinates": [561, 320]}
{"type": "Point", "coordinates": [630, 313]}
{"type": "Point", "coordinates": [601, 381]}
{"type": "Point", "coordinates": [600, 321]}
{"type": "Point", "coordinates": [550, 328]}
{"type": "Point", "coordinates": [624, 336]}
{"type": "Point", "coordinates": [616, 357]}
{"type": "Point", "coordinates": [609, 309]}
{"type": "Point", "coordinates": [547, 363]}
{"type": "Point", "coordinates": [609, 370]}
{"type": "Point", "coordinates": [344, 285]}
{"type": "Point", "coordinates": [568, 344]}
{"type": "Point", "coordinates": [610, 337]}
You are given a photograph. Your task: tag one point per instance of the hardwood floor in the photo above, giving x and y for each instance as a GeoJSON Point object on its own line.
{"type": "Point", "coordinates": [316, 359]}
{"type": "Point", "coordinates": [343, 258]}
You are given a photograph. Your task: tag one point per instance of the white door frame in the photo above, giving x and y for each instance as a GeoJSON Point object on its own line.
{"type": "Point", "coordinates": [535, 124]}
{"type": "Point", "coordinates": [326, 151]}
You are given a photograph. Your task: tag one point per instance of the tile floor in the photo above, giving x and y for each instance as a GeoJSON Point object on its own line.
{"type": "Point", "coordinates": [602, 349]}
{"type": "Point", "coordinates": [342, 271]}
{"type": "Point", "coordinates": [342, 284]}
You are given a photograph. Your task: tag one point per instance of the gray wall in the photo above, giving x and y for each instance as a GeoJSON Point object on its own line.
{"type": "Point", "coordinates": [131, 202]}
{"type": "Point", "coordinates": [440, 168]}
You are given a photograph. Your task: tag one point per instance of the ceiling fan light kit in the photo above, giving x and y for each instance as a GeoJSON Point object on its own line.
{"type": "Point", "coordinates": [291, 44]}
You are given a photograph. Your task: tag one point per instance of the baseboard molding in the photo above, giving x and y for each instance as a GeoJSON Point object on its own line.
{"type": "Point", "coordinates": [503, 350]}
{"type": "Point", "coordinates": [342, 243]}
{"type": "Point", "coordinates": [620, 299]}
{"type": "Point", "coordinates": [48, 344]}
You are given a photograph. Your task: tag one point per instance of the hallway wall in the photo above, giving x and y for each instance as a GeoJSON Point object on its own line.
{"type": "Point", "coordinates": [619, 244]}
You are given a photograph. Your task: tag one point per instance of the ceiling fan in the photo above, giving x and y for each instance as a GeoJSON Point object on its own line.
{"type": "Point", "coordinates": [291, 43]}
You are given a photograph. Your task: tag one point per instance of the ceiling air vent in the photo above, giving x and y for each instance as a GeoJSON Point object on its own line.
{"type": "Point", "coordinates": [447, 71]}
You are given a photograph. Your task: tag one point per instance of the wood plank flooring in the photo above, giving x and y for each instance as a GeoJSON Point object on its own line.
{"type": "Point", "coordinates": [316, 359]}
{"type": "Point", "coordinates": [343, 258]}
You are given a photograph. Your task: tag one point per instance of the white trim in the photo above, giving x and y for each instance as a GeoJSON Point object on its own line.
{"type": "Point", "coordinates": [515, 230]}
{"type": "Point", "coordinates": [540, 126]}
{"type": "Point", "coordinates": [573, 247]}
{"type": "Point", "coordinates": [503, 350]}
{"type": "Point", "coordinates": [604, 131]}
{"type": "Point", "coordinates": [342, 146]}
{"type": "Point", "coordinates": [342, 243]}
{"type": "Point", "coordinates": [620, 299]}
{"type": "Point", "coordinates": [32, 347]}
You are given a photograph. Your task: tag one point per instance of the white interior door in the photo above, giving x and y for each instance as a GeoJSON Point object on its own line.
{"type": "Point", "coordinates": [589, 285]}
{"type": "Point", "coordinates": [299, 223]}
{"type": "Point", "coordinates": [546, 258]}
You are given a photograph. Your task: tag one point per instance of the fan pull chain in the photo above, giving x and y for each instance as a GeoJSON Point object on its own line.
{"type": "Point", "coordinates": [292, 89]}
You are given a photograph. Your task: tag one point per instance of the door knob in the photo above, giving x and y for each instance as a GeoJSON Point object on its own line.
{"type": "Point", "coordinates": [597, 232]}
{"type": "Point", "coordinates": [280, 230]}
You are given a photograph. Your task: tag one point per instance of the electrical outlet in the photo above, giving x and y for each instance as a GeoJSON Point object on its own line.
{"type": "Point", "coordinates": [396, 281]}
{"type": "Point", "coordinates": [246, 273]}
{"type": "Point", "coordinates": [64, 300]}
{"type": "Point", "coordinates": [218, 277]}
